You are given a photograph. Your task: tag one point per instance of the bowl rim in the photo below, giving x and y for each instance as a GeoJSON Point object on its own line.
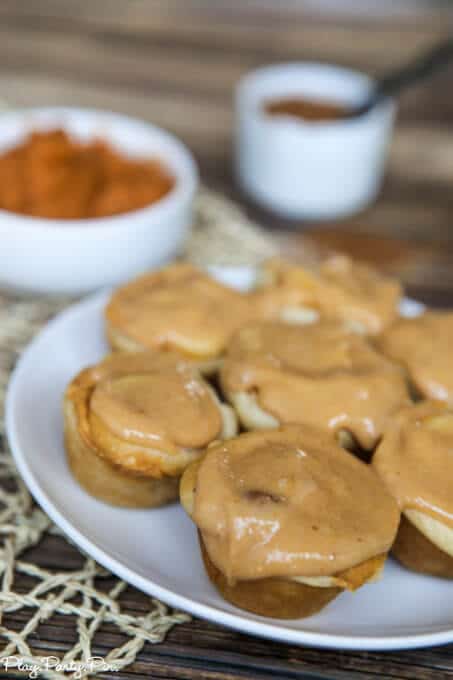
{"type": "Point", "coordinates": [184, 188]}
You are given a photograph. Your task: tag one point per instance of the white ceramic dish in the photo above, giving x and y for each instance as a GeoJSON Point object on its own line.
{"type": "Point", "coordinates": [76, 256]}
{"type": "Point", "coordinates": [303, 169]}
{"type": "Point", "coordinates": [156, 550]}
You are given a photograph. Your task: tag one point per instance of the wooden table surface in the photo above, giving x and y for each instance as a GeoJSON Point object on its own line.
{"type": "Point", "coordinates": [176, 63]}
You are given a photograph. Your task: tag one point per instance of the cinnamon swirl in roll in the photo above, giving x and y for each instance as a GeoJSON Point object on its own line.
{"type": "Point", "coordinates": [135, 421]}
{"type": "Point", "coordinates": [178, 308]}
{"type": "Point", "coordinates": [423, 346]}
{"type": "Point", "coordinates": [288, 520]}
{"type": "Point", "coordinates": [320, 374]}
{"type": "Point", "coordinates": [415, 461]}
{"type": "Point", "coordinates": [337, 289]}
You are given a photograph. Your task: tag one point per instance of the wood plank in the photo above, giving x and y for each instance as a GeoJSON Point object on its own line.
{"type": "Point", "coordinates": [200, 122]}
{"type": "Point", "coordinates": [66, 48]}
{"type": "Point", "coordinates": [121, 66]}
{"type": "Point", "coordinates": [417, 13]}
{"type": "Point", "coordinates": [201, 645]}
{"type": "Point", "coordinates": [203, 25]}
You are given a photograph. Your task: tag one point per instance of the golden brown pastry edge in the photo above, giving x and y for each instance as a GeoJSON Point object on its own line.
{"type": "Point", "coordinates": [107, 482]}
{"type": "Point", "coordinates": [417, 553]}
{"type": "Point", "coordinates": [283, 598]}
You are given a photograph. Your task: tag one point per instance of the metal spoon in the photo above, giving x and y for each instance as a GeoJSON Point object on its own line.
{"type": "Point", "coordinates": [395, 82]}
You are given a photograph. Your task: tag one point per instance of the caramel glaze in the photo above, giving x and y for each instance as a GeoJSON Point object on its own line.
{"type": "Point", "coordinates": [289, 503]}
{"type": "Point", "coordinates": [415, 460]}
{"type": "Point", "coordinates": [423, 345]}
{"type": "Point", "coordinates": [318, 374]}
{"type": "Point", "coordinates": [339, 288]}
{"type": "Point", "coordinates": [130, 404]}
{"type": "Point", "coordinates": [179, 308]}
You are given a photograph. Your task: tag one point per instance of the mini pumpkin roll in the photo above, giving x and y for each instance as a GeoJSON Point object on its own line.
{"type": "Point", "coordinates": [134, 422]}
{"type": "Point", "coordinates": [320, 374]}
{"type": "Point", "coordinates": [415, 461]}
{"type": "Point", "coordinates": [288, 520]}
{"type": "Point", "coordinates": [423, 345]}
{"type": "Point", "coordinates": [339, 289]}
{"type": "Point", "coordinates": [178, 308]}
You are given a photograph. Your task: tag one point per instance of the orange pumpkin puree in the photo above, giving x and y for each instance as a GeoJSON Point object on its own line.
{"type": "Point", "coordinates": [52, 175]}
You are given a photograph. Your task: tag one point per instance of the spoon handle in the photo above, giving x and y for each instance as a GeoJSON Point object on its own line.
{"type": "Point", "coordinates": [421, 67]}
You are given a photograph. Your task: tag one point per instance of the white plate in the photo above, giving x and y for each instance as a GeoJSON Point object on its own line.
{"type": "Point", "coordinates": [157, 550]}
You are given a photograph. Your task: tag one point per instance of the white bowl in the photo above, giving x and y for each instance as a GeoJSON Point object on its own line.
{"type": "Point", "coordinates": [304, 169]}
{"type": "Point", "coordinates": [75, 256]}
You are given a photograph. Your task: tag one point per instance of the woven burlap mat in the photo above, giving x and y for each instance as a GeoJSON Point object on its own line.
{"type": "Point", "coordinates": [221, 235]}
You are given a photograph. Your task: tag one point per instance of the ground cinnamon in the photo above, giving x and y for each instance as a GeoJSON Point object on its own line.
{"type": "Point", "coordinates": [52, 175]}
{"type": "Point", "coordinates": [307, 109]}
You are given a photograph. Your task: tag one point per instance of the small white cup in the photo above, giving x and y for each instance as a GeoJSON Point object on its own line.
{"type": "Point", "coordinates": [306, 169]}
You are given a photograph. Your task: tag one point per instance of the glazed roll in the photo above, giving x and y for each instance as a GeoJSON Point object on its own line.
{"type": "Point", "coordinates": [414, 460]}
{"type": "Point", "coordinates": [320, 374]}
{"type": "Point", "coordinates": [422, 345]}
{"type": "Point", "coordinates": [178, 308]}
{"type": "Point", "coordinates": [135, 421]}
{"type": "Point", "coordinates": [288, 520]}
{"type": "Point", "coordinates": [337, 289]}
